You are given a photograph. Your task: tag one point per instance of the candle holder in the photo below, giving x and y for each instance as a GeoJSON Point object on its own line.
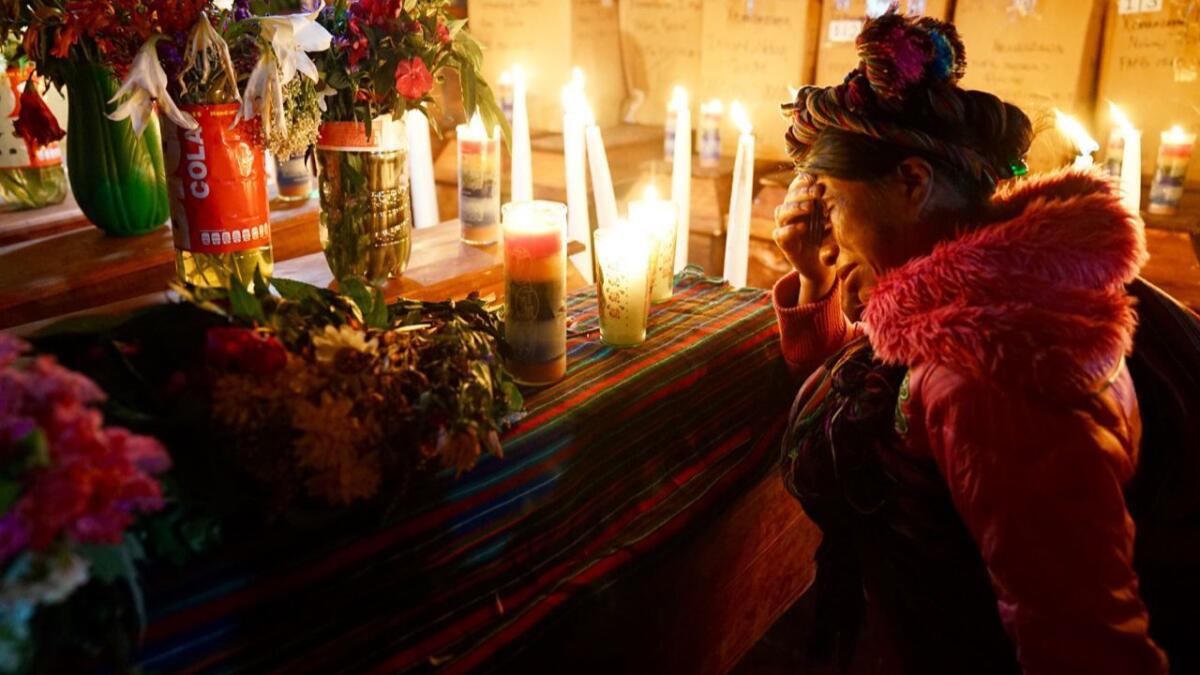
{"type": "Point", "coordinates": [1174, 153]}
{"type": "Point", "coordinates": [657, 218]}
{"type": "Point", "coordinates": [535, 287]}
{"type": "Point", "coordinates": [478, 184]}
{"type": "Point", "coordinates": [625, 258]}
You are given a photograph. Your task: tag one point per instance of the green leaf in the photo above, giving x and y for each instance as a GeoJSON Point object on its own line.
{"type": "Point", "coordinates": [243, 305]}
{"type": "Point", "coordinates": [513, 394]}
{"type": "Point", "coordinates": [107, 563]}
{"type": "Point", "coordinates": [290, 289]}
{"type": "Point", "coordinates": [355, 289]}
{"type": "Point", "coordinates": [261, 288]}
{"type": "Point", "coordinates": [378, 317]}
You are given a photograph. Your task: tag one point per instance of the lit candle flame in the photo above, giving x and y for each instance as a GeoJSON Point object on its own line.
{"type": "Point", "coordinates": [1076, 133]}
{"type": "Point", "coordinates": [1177, 136]}
{"type": "Point", "coordinates": [651, 193]}
{"type": "Point", "coordinates": [475, 128]}
{"type": "Point", "coordinates": [518, 76]}
{"type": "Point", "coordinates": [577, 77]}
{"type": "Point", "coordinates": [1120, 119]}
{"type": "Point", "coordinates": [740, 118]}
{"type": "Point", "coordinates": [506, 79]}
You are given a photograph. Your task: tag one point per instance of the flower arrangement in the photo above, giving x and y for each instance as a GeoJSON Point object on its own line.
{"type": "Point", "coordinates": [70, 488]}
{"type": "Point", "coordinates": [334, 398]}
{"type": "Point", "coordinates": [387, 54]}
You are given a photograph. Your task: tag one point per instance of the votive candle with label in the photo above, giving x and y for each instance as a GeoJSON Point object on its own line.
{"type": "Point", "coordinates": [479, 182]}
{"type": "Point", "coordinates": [657, 218]}
{"type": "Point", "coordinates": [535, 286]}
{"type": "Point", "coordinates": [625, 258]}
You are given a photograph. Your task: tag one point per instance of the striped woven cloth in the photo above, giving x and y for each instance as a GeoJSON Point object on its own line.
{"type": "Point", "coordinates": [632, 452]}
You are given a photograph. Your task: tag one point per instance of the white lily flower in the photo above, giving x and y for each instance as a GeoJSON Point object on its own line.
{"type": "Point", "coordinates": [145, 84]}
{"type": "Point", "coordinates": [205, 38]}
{"type": "Point", "coordinates": [324, 94]}
{"type": "Point", "coordinates": [292, 36]}
{"type": "Point", "coordinates": [263, 97]}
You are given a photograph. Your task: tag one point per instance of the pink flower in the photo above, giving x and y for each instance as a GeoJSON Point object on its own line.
{"type": "Point", "coordinates": [97, 479]}
{"type": "Point", "coordinates": [413, 80]}
{"type": "Point", "coordinates": [443, 33]}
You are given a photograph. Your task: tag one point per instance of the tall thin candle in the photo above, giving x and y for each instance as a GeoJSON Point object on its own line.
{"type": "Point", "coordinates": [681, 175]}
{"type": "Point", "coordinates": [602, 187]}
{"type": "Point", "coordinates": [522, 159]}
{"type": "Point", "coordinates": [574, 156]}
{"type": "Point", "coordinates": [737, 237]}
{"type": "Point", "coordinates": [420, 170]}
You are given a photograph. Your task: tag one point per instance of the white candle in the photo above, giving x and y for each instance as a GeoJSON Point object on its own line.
{"type": "Point", "coordinates": [657, 217]}
{"type": "Point", "coordinates": [522, 159]}
{"type": "Point", "coordinates": [574, 154]}
{"type": "Point", "coordinates": [681, 175]}
{"type": "Point", "coordinates": [1131, 161]}
{"type": "Point", "coordinates": [624, 256]}
{"type": "Point", "coordinates": [420, 170]}
{"type": "Point", "coordinates": [602, 187]}
{"type": "Point", "coordinates": [737, 236]}
{"type": "Point", "coordinates": [1084, 144]}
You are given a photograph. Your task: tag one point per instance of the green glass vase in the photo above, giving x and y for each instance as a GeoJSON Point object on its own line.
{"type": "Point", "coordinates": [118, 178]}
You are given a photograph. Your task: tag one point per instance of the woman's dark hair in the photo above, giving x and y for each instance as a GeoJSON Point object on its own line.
{"type": "Point", "coordinates": [903, 100]}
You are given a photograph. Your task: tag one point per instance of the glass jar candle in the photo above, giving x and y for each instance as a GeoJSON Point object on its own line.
{"type": "Point", "coordinates": [535, 287]}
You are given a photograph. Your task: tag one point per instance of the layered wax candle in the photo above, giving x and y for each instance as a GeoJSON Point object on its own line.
{"type": "Point", "coordinates": [479, 182]}
{"type": "Point", "coordinates": [656, 217]}
{"type": "Point", "coordinates": [1174, 153]}
{"type": "Point", "coordinates": [710, 133]}
{"type": "Point", "coordinates": [624, 257]}
{"type": "Point", "coordinates": [504, 94]}
{"type": "Point", "coordinates": [535, 285]}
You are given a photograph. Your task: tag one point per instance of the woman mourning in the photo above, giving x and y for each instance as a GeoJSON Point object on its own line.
{"type": "Point", "coordinates": [965, 447]}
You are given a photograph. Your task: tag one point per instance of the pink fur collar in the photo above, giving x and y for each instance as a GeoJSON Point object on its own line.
{"type": "Point", "coordinates": [1035, 299]}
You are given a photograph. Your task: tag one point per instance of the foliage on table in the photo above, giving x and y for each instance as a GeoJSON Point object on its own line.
{"type": "Point", "coordinates": [70, 488]}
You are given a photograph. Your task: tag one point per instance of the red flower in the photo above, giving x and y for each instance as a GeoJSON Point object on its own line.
{"type": "Point", "coordinates": [378, 13]}
{"type": "Point", "coordinates": [244, 350]}
{"type": "Point", "coordinates": [413, 80]}
{"type": "Point", "coordinates": [356, 44]}
{"type": "Point", "coordinates": [443, 33]}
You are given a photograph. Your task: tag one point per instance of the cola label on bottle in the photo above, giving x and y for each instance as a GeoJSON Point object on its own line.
{"type": "Point", "coordinates": [217, 182]}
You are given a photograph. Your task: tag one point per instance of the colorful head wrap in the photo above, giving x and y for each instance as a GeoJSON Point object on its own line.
{"type": "Point", "coordinates": [908, 68]}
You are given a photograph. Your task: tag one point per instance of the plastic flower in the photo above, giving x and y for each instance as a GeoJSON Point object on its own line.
{"type": "Point", "coordinates": [333, 340]}
{"type": "Point", "coordinates": [145, 84]}
{"type": "Point", "coordinates": [413, 79]}
{"type": "Point", "coordinates": [35, 123]}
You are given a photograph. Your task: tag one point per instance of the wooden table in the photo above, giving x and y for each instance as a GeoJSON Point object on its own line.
{"type": "Point", "coordinates": [84, 269]}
